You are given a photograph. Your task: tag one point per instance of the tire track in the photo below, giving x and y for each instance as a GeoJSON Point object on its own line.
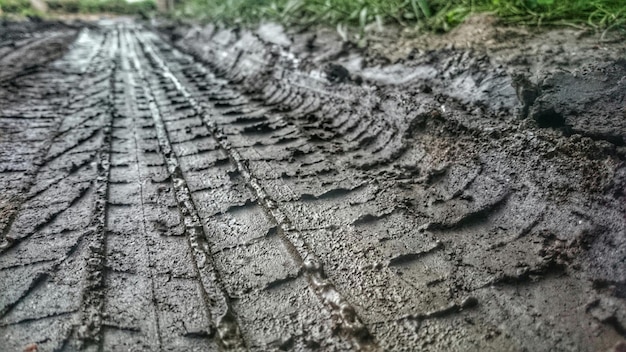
{"type": "Point", "coordinates": [255, 265]}
{"type": "Point", "coordinates": [453, 173]}
{"type": "Point", "coordinates": [153, 295]}
{"type": "Point", "coordinates": [48, 312]}
{"type": "Point", "coordinates": [215, 297]}
{"type": "Point", "coordinates": [89, 333]}
{"type": "Point", "coordinates": [42, 157]}
{"type": "Point", "coordinates": [351, 324]}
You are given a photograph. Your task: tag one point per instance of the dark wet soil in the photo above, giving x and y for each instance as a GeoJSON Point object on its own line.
{"type": "Point", "coordinates": [200, 188]}
{"type": "Point", "coordinates": [28, 46]}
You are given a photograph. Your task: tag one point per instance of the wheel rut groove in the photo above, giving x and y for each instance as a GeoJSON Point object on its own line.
{"type": "Point", "coordinates": [313, 268]}
{"type": "Point", "coordinates": [57, 281]}
{"type": "Point", "coordinates": [92, 306]}
{"type": "Point", "coordinates": [39, 161]}
{"type": "Point", "coordinates": [215, 298]}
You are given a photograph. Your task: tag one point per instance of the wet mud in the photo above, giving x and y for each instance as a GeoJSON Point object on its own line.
{"type": "Point", "coordinates": [28, 46]}
{"type": "Point", "coordinates": [181, 188]}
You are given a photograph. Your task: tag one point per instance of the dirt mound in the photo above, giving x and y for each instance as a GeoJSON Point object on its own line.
{"type": "Point", "coordinates": [590, 102]}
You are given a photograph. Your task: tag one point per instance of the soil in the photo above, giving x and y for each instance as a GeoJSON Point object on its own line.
{"type": "Point", "coordinates": [198, 188]}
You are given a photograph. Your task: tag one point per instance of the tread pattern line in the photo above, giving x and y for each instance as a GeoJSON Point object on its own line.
{"type": "Point", "coordinates": [215, 296]}
{"type": "Point", "coordinates": [300, 249]}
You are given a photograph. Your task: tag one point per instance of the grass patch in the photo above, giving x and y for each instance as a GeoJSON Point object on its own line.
{"type": "Point", "coordinates": [439, 15]}
{"type": "Point", "coordinates": [101, 6]}
{"type": "Point", "coordinates": [24, 8]}
{"type": "Point", "coordinates": [18, 7]}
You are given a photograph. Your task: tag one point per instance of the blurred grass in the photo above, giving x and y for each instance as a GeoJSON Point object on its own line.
{"type": "Point", "coordinates": [20, 7]}
{"type": "Point", "coordinates": [438, 15]}
{"type": "Point", "coordinates": [24, 8]}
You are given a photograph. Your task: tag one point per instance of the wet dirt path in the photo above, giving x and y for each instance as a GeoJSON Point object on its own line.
{"type": "Point", "coordinates": [228, 201]}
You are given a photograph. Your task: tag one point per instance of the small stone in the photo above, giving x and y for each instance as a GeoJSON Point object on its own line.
{"type": "Point", "coordinates": [31, 347]}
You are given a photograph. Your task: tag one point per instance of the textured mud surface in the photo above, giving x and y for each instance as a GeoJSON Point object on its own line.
{"type": "Point", "coordinates": [26, 47]}
{"type": "Point", "coordinates": [205, 189]}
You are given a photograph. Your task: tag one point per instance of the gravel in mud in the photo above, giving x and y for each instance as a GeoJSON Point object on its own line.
{"type": "Point", "coordinates": [200, 189]}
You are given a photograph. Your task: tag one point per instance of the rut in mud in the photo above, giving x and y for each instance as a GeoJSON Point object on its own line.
{"type": "Point", "coordinates": [236, 200]}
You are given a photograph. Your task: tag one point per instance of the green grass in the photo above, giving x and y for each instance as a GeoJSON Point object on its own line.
{"type": "Point", "coordinates": [19, 7]}
{"type": "Point", "coordinates": [440, 15]}
{"type": "Point", "coordinates": [23, 7]}
{"type": "Point", "coordinates": [437, 15]}
{"type": "Point", "coordinates": [99, 6]}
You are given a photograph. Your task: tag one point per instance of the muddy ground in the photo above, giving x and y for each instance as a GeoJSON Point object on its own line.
{"type": "Point", "coordinates": [197, 188]}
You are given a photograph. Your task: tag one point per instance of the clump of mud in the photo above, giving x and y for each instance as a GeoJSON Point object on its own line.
{"type": "Point", "coordinates": [591, 101]}
{"type": "Point", "coordinates": [565, 78]}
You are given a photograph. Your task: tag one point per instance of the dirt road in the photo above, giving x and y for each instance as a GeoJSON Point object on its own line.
{"type": "Point", "coordinates": [246, 199]}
